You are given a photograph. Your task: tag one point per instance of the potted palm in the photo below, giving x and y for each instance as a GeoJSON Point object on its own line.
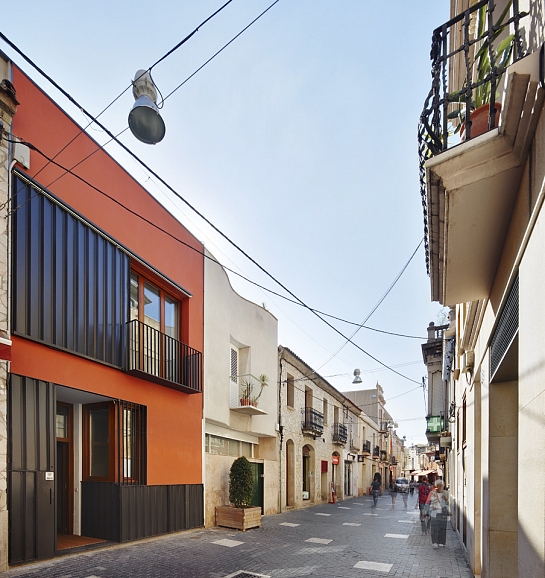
{"type": "Point", "coordinates": [240, 515]}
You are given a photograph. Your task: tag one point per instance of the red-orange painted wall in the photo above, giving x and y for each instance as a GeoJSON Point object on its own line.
{"type": "Point", "coordinates": [174, 418]}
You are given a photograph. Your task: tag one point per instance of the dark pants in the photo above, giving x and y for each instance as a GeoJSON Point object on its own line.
{"type": "Point", "coordinates": [375, 497]}
{"type": "Point", "coordinates": [439, 529]}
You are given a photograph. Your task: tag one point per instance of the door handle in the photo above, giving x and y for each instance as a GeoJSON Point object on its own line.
{"type": "Point", "coordinates": [50, 496]}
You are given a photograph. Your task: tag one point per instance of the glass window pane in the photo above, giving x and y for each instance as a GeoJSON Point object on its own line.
{"type": "Point", "coordinates": [134, 296]}
{"type": "Point", "coordinates": [152, 306]}
{"type": "Point", "coordinates": [99, 440]}
{"type": "Point", "coordinates": [62, 422]}
{"type": "Point", "coordinates": [246, 449]}
{"type": "Point", "coordinates": [234, 448]}
{"type": "Point", "coordinates": [171, 318]}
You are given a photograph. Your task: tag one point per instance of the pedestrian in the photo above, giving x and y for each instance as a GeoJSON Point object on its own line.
{"type": "Point", "coordinates": [405, 496]}
{"type": "Point", "coordinates": [393, 494]}
{"type": "Point", "coordinates": [375, 488]}
{"type": "Point", "coordinates": [411, 487]}
{"type": "Point", "coordinates": [438, 500]}
{"type": "Point", "coordinates": [423, 494]}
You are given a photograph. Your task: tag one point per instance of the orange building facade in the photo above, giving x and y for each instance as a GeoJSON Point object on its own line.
{"type": "Point", "coordinates": [106, 321]}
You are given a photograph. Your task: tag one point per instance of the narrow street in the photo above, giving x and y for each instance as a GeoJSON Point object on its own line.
{"type": "Point", "coordinates": [342, 540]}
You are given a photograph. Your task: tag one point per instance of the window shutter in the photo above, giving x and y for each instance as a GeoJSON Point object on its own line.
{"type": "Point", "coordinates": [234, 377]}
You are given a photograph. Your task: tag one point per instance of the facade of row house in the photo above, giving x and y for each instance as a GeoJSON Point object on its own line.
{"type": "Point", "coordinates": [102, 316]}
{"type": "Point", "coordinates": [483, 207]}
{"type": "Point", "coordinates": [325, 441]}
{"type": "Point", "coordinates": [241, 394]}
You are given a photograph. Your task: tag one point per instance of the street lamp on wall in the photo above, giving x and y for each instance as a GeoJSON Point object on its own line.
{"type": "Point", "coordinates": [357, 378]}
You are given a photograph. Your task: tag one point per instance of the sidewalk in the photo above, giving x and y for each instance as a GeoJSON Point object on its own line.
{"type": "Point", "coordinates": [344, 540]}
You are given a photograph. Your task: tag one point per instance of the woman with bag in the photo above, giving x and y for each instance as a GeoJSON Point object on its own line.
{"type": "Point", "coordinates": [438, 504]}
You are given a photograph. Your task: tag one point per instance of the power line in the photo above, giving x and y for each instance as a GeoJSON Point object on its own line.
{"type": "Point", "coordinates": [221, 233]}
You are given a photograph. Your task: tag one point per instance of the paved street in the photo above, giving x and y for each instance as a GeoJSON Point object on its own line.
{"type": "Point", "coordinates": [347, 539]}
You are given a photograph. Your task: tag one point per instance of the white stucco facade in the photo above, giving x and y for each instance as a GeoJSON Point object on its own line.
{"type": "Point", "coordinates": [232, 323]}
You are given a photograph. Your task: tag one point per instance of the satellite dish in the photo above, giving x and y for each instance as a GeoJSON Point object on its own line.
{"type": "Point", "coordinates": [145, 121]}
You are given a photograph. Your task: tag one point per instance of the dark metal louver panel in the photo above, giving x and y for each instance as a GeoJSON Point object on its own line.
{"type": "Point", "coordinates": [506, 329]}
{"type": "Point", "coordinates": [70, 283]}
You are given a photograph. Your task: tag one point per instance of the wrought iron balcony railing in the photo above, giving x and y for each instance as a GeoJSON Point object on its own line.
{"type": "Point", "coordinates": [340, 433]}
{"type": "Point", "coordinates": [376, 452]}
{"type": "Point", "coordinates": [383, 456]}
{"type": "Point", "coordinates": [366, 449]}
{"type": "Point", "coordinates": [469, 56]}
{"type": "Point", "coordinates": [313, 421]}
{"type": "Point", "coordinates": [155, 356]}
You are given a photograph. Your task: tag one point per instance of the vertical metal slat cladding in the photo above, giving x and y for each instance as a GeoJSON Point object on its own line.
{"type": "Point", "coordinates": [58, 279]}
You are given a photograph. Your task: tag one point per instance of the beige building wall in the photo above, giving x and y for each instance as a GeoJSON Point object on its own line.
{"type": "Point", "coordinates": [231, 320]}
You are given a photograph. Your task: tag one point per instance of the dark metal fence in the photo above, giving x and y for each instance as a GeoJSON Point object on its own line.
{"type": "Point", "coordinates": [366, 447]}
{"type": "Point", "coordinates": [339, 433]}
{"type": "Point", "coordinates": [165, 358]}
{"type": "Point", "coordinates": [469, 56]}
{"type": "Point", "coordinates": [313, 420]}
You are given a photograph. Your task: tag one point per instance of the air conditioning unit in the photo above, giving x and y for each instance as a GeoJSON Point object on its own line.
{"type": "Point", "coordinates": [306, 495]}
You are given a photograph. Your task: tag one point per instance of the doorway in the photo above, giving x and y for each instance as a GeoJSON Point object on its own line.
{"type": "Point", "coordinates": [64, 468]}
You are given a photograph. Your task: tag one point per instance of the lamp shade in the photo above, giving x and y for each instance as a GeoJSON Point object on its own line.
{"type": "Point", "coordinates": [357, 378]}
{"type": "Point", "coordinates": [145, 121]}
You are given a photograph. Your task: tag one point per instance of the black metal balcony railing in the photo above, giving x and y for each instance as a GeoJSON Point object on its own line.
{"type": "Point", "coordinates": [159, 358]}
{"type": "Point", "coordinates": [366, 449]}
{"type": "Point", "coordinates": [383, 456]}
{"type": "Point", "coordinates": [313, 421]}
{"type": "Point", "coordinates": [340, 433]}
{"type": "Point", "coordinates": [376, 452]}
{"type": "Point", "coordinates": [473, 50]}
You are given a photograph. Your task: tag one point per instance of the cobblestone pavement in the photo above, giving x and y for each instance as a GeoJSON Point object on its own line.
{"type": "Point", "coordinates": [343, 540]}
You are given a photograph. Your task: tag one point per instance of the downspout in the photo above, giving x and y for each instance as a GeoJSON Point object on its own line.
{"type": "Point", "coordinates": [280, 431]}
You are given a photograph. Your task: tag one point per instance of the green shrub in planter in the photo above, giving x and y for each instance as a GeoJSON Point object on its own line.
{"type": "Point", "coordinates": [241, 483]}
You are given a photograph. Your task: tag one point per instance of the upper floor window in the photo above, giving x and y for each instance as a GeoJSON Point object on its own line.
{"type": "Point", "coordinates": [290, 391]}
{"type": "Point", "coordinates": [154, 307]}
{"type": "Point", "coordinates": [325, 405]}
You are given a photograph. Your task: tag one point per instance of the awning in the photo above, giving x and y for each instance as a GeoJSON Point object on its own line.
{"type": "Point", "coordinates": [419, 473]}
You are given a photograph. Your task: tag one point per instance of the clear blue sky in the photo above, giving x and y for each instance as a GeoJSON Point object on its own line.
{"type": "Point", "coordinates": [298, 142]}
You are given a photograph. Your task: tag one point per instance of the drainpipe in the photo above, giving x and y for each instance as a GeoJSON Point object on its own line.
{"type": "Point", "coordinates": [281, 431]}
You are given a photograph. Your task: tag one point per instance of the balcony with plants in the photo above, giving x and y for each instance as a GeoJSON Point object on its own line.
{"type": "Point", "coordinates": [246, 392]}
{"type": "Point", "coordinates": [340, 433]}
{"type": "Point", "coordinates": [157, 357]}
{"type": "Point", "coordinates": [474, 133]}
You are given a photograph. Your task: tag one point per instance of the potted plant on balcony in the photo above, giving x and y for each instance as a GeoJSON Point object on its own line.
{"type": "Point", "coordinates": [246, 392]}
{"type": "Point", "coordinates": [482, 95]}
{"type": "Point", "coordinates": [240, 515]}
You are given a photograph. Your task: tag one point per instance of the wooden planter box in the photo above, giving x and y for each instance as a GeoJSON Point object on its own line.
{"type": "Point", "coordinates": [238, 518]}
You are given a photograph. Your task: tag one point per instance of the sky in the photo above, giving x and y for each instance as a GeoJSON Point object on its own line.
{"type": "Point", "coordinates": [298, 142]}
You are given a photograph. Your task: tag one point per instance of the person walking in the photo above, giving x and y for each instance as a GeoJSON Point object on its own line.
{"type": "Point", "coordinates": [405, 496]}
{"type": "Point", "coordinates": [393, 493]}
{"type": "Point", "coordinates": [423, 494]}
{"type": "Point", "coordinates": [438, 501]}
{"type": "Point", "coordinates": [375, 489]}
{"type": "Point", "coordinates": [411, 487]}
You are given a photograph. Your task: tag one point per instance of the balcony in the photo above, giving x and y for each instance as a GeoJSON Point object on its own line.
{"type": "Point", "coordinates": [376, 453]}
{"type": "Point", "coordinates": [469, 185]}
{"type": "Point", "coordinates": [154, 356]}
{"type": "Point", "coordinates": [355, 443]}
{"type": "Point", "coordinates": [366, 449]}
{"type": "Point", "coordinates": [340, 433]}
{"type": "Point", "coordinates": [245, 394]}
{"type": "Point", "coordinates": [313, 422]}
{"type": "Point", "coordinates": [383, 456]}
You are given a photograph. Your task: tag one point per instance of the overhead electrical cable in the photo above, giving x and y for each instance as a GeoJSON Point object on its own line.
{"type": "Point", "coordinates": [221, 233]}
{"type": "Point", "coordinates": [191, 34]}
{"type": "Point", "coordinates": [212, 259]}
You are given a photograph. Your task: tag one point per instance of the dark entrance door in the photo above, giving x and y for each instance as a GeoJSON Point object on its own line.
{"type": "Point", "coordinates": [31, 469]}
{"type": "Point", "coordinates": [259, 477]}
